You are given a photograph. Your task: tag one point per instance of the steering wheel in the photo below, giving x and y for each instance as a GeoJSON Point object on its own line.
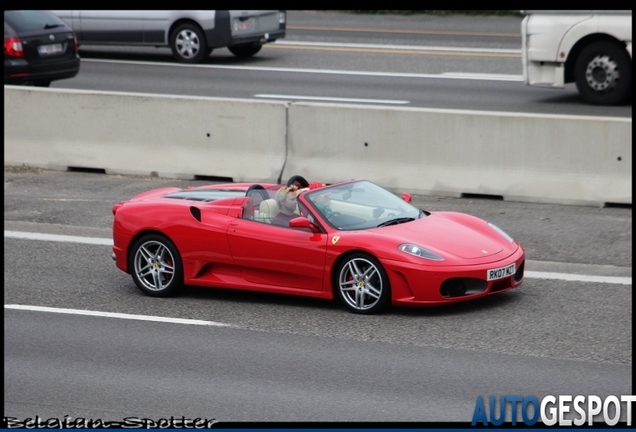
{"type": "Point", "coordinates": [297, 179]}
{"type": "Point", "coordinates": [333, 215]}
{"type": "Point", "coordinates": [256, 187]}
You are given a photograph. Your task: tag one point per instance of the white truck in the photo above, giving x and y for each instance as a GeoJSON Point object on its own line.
{"type": "Point", "coordinates": [592, 48]}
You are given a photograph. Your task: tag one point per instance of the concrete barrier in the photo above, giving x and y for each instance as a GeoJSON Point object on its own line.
{"type": "Point", "coordinates": [518, 156]}
{"type": "Point", "coordinates": [167, 136]}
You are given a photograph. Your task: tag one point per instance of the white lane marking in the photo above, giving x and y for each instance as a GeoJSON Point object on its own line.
{"type": "Point", "coordinates": [58, 238]}
{"type": "Point", "coordinates": [333, 99]}
{"type": "Point", "coordinates": [402, 47]}
{"type": "Point", "coordinates": [578, 278]}
{"type": "Point", "coordinates": [482, 76]}
{"type": "Point", "coordinates": [117, 315]}
{"type": "Point", "coordinates": [528, 274]}
{"type": "Point", "coordinates": [445, 75]}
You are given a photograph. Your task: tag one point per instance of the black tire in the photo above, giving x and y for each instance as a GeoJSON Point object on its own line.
{"type": "Point", "coordinates": [156, 266]}
{"type": "Point", "coordinates": [603, 74]}
{"type": "Point", "coordinates": [245, 50]}
{"type": "Point", "coordinates": [298, 179]}
{"type": "Point", "coordinates": [44, 83]}
{"type": "Point", "coordinates": [362, 285]}
{"type": "Point", "coordinates": [188, 43]}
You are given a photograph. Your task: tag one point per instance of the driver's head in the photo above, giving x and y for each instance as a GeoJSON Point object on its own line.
{"type": "Point", "coordinates": [286, 199]}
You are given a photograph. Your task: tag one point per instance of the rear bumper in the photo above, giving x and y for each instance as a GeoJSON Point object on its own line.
{"type": "Point", "coordinates": [121, 242]}
{"type": "Point", "coordinates": [20, 72]}
{"type": "Point", "coordinates": [261, 39]}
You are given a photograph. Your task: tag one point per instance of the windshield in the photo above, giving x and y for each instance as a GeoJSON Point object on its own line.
{"type": "Point", "coordinates": [361, 205]}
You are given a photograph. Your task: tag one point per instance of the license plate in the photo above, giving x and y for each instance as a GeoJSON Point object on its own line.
{"type": "Point", "coordinates": [244, 25]}
{"type": "Point", "coordinates": [501, 272]}
{"type": "Point", "coordinates": [50, 49]}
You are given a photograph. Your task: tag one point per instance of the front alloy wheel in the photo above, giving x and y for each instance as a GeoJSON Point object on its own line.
{"type": "Point", "coordinates": [155, 266]}
{"type": "Point", "coordinates": [362, 284]}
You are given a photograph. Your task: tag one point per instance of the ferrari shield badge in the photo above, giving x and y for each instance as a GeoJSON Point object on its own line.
{"type": "Point", "coordinates": [335, 239]}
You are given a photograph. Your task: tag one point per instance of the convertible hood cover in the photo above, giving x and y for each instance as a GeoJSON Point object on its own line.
{"type": "Point", "coordinates": [443, 235]}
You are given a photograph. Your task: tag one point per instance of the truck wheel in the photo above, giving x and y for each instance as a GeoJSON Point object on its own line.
{"type": "Point", "coordinates": [603, 74]}
{"type": "Point", "coordinates": [245, 50]}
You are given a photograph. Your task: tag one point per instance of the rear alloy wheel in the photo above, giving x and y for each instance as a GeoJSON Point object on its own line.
{"type": "Point", "coordinates": [245, 50]}
{"type": "Point", "coordinates": [362, 285]}
{"type": "Point", "coordinates": [603, 74]}
{"type": "Point", "coordinates": [155, 266]}
{"type": "Point", "coordinates": [188, 44]}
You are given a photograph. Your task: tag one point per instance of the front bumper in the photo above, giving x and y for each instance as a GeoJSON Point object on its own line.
{"type": "Point", "coordinates": [421, 285]}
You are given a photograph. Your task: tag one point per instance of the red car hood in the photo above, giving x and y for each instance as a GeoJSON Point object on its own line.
{"type": "Point", "coordinates": [443, 235]}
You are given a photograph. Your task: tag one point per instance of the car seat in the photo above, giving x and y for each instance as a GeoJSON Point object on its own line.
{"type": "Point", "coordinates": [268, 210]}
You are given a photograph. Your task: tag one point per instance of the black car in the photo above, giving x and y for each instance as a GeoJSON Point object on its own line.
{"type": "Point", "coordinates": [38, 48]}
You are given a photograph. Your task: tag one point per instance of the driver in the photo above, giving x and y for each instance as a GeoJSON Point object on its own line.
{"type": "Point", "coordinates": [286, 200]}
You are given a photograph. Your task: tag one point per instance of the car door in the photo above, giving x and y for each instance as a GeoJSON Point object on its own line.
{"type": "Point", "coordinates": [279, 256]}
{"type": "Point", "coordinates": [156, 25]}
{"type": "Point", "coordinates": [112, 26]}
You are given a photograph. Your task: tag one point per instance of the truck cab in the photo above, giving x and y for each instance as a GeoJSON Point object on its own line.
{"type": "Point", "coordinates": [588, 47]}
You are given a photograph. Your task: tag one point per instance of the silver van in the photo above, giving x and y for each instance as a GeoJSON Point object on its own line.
{"type": "Point", "coordinates": [191, 34]}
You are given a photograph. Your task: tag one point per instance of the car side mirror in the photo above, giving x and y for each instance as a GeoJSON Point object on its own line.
{"type": "Point", "coordinates": [407, 197]}
{"type": "Point", "coordinates": [303, 222]}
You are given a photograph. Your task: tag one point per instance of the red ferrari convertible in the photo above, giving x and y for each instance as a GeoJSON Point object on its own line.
{"type": "Point", "coordinates": [352, 240]}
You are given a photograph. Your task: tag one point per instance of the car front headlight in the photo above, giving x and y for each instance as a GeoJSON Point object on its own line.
{"type": "Point", "coordinates": [419, 251]}
{"type": "Point", "coordinates": [500, 231]}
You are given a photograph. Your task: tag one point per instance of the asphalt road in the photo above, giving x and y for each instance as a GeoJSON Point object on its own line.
{"type": "Point", "coordinates": [94, 367]}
